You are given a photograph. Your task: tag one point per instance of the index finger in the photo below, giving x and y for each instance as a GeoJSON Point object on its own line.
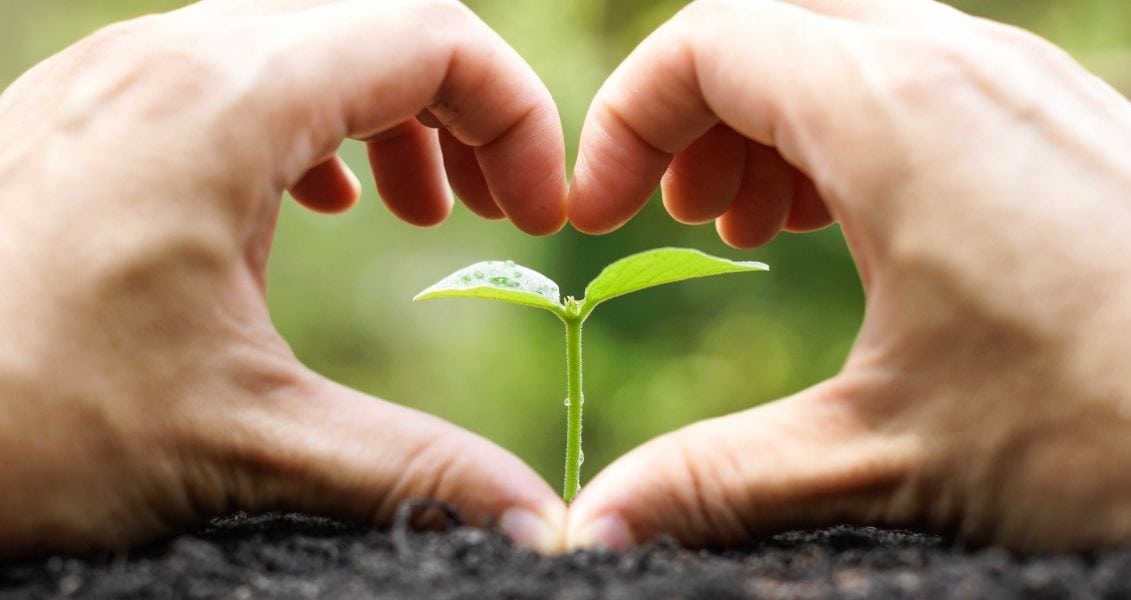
{"type": "Point", "coordinates": [777, 73]}
{"type": "Point", "coordinates": [357, 68]}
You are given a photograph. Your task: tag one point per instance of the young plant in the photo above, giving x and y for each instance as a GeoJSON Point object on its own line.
{"type": "Point", "coordinates": [508, 282]}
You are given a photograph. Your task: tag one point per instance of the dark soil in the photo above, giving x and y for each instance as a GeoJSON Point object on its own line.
{"type": "Point", "coordinates": [295, 556]}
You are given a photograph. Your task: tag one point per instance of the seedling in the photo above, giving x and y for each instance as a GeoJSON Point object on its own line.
{"type": "Point", "coordinates": [508, 282]}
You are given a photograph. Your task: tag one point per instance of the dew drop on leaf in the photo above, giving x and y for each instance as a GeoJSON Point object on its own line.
{"type": "Point", "coordinates": [495, 280]}
{"type": "Point", "coordinates": [504, 282]}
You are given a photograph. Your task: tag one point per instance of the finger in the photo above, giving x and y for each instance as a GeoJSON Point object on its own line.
{"type": "Point", "coordinates": [703, 180]}
{"type": "Point", "coordinates": [328, 187]}
{"type": "Point", "coordinates": [763, 201]}
{"type": "Point", "coordinates": [808, 212]}
{"type": "Point", "coordinates": [782, 74]}
{"type": "Point", "coordinates": [376, 65]}
{"type": "Point", "coordinates": [409, 172]}
{"type": "Point", "coordinates": [750, 65]}
{"type": "Point", "coordinates": [466, 178]}
{"type": "Point", "coordinates": [321, 448]}
{"type": "Point", "coordinates": [806, 461]}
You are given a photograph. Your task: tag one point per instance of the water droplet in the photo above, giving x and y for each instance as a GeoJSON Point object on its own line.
{"type": "Point", "coordinates": [504, 282]}
{"type": "Point", "coordinates": [479, 274]}
{"type": "Point", "coordinates": [566, 401]}
{"type": "Point", "coordinates": [580, 457]}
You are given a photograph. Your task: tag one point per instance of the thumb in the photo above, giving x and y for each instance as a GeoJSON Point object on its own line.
{"type": "Point", "coordinates": [316, 446]}
{"type": "Point", "coordinates": [809, 460]}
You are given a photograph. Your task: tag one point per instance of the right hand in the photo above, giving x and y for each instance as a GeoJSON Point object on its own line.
{"type": "Point", "coordinates": [983, 183]}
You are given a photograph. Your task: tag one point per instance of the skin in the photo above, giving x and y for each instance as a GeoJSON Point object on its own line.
{"type": "Point", "coordinates": [981, 177]}
{"type": "Point", "coordinates": [142, 384]}
{"type": "Point", "coordinates": [983, 182]}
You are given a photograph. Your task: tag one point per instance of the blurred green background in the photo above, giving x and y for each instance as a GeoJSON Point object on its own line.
{"type": "Point", "coordinates": [341, 287]}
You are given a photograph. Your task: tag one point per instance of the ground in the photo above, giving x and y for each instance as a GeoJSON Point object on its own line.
{"type": "Point", "coordinates": [287, 556]}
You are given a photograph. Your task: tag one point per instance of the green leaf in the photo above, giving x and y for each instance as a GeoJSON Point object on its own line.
{"type": "Point", "coordinates": [498, 280]}
{"type": "Point", "coordinates": [657, 267]}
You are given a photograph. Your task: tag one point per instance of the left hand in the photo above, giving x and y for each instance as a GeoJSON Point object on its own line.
{"type": "Point", "coordinates": [142, 384]}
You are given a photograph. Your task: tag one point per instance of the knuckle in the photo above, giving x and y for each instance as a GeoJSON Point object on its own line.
{"type": "Point", "coordinates": [709, 502]}
{"type": "Point", "coordinates": [442, 13]}
{"type": "Point", "coordinates": [930, 68]}
{"type": "Point", "coordinates": [707, 8]}
{"type": "Point", "coordinates": [105, 46]}
{"type": "Point", "coordinates": [1030, 52]}
{"type": "Point", "coordinates": [703, 16]}
{"type": "Point", "coordinates": [161, 65]}
{"type": "Point", "coordinates": [184, 53]}
{"type": "Point", "coordinates": [115, 33]}
{"type": "Point", "coordinates": [989, 60]}
{"type": "Point", "coordinates": [1015, 37]}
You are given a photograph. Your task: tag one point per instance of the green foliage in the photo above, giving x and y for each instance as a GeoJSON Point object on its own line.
{"type": "Point", "coordinates": [658, 267]}
{"type": "Point", "coordinates": [507, 282]}
{"type": "Point", "coordinates": [498, 280]}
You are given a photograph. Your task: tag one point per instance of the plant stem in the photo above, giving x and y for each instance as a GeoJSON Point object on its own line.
{"type": "Point", "coordinates": [575, 397]}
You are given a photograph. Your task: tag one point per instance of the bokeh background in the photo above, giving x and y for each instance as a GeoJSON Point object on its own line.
{"type": "Point", "coordinates": [340, 287]}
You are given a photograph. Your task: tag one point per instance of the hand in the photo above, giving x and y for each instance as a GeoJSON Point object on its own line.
{"type": "Point", "coordinates": [983, 182]}
{"type": "Point", "coordinates": [142, 385]}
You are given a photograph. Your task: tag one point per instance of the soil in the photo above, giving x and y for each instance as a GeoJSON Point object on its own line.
{"type": "Point", "coordinates": [296, 556]}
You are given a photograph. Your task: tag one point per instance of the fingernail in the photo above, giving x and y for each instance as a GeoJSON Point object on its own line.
{"type": "Point", "coordinates": [355, 183]}
{"type": "Point", "coordinates": [530, 530]}
{"type": "Point", "coordinates": [608, 531]}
